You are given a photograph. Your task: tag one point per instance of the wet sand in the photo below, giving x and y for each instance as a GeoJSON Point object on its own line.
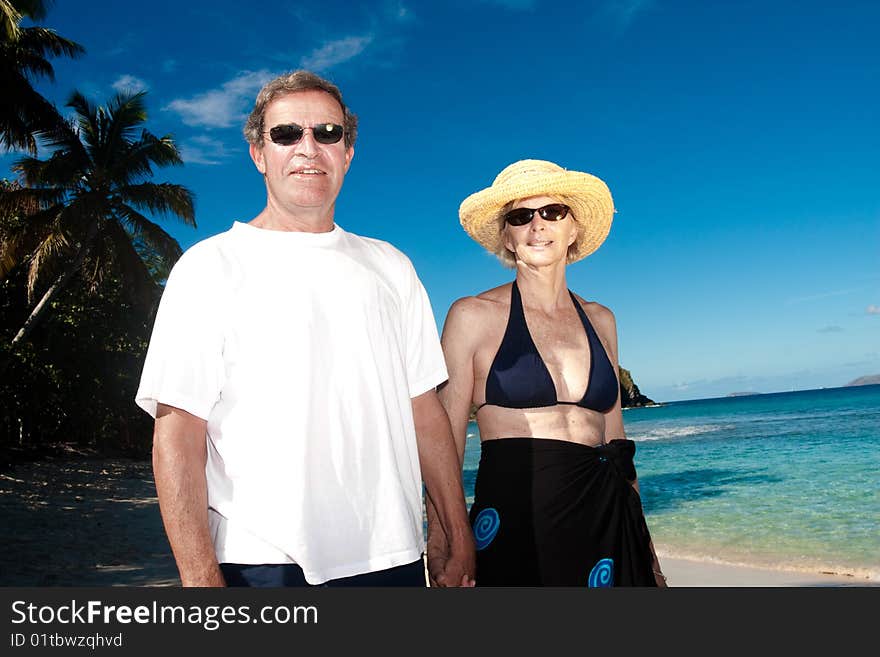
{"type": "Point", "coordinates": [77, 520]}
{"type": "Point", "coordinates": [82, 521]}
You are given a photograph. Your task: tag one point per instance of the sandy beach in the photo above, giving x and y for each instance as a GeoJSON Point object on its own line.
{"type": "Point", "coordinates": [76, 520]}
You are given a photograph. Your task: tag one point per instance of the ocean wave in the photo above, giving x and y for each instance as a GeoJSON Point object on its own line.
{"type": "Point", "coordinates": [662, 433]}
{"type": "Point", "coordinates": [864, 573]}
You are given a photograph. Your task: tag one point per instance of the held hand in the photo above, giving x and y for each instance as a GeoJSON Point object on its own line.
{"type": "Point", "coordinates": [460, 565]}
{"type": "Point", "coordinates": [437, 551]}
{"type": "Point", "coordinates": [436, 566]}
{"type": "Point", "coordinates": [456, 572]}
{"type": "Point", "coordinates": [448, 568]}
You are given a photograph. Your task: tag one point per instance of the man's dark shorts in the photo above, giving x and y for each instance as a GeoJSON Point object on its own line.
{"type": "Point", "coordinates": [290, 574]}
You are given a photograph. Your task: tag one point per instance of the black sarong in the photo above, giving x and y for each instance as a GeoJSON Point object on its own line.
{"type": "Point", "coordinates": [557, 513]}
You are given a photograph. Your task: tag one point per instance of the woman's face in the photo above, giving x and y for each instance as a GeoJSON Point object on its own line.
{"type": "Point", "coordinates": [540, 242]}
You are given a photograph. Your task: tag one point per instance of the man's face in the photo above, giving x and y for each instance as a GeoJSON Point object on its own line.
{"type": "Point", "coordinates": [306, 174]}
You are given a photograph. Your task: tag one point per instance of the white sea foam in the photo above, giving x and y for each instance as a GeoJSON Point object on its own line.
{"type": "Point", "coordinates": [662, 433]}
{"type": "Point", "coordinates": [629, 408]}
{"type": "Point", "coordinates": [864, 574]}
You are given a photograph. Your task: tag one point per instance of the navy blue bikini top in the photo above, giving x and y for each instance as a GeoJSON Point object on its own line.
{"type": "Point", "coordinates": [519, 378]}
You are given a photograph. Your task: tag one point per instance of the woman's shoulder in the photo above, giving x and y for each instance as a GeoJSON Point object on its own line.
{"type": "Point", "coordinates": [600, 316]}
{"type": "Point", "coordinates": [481, 308]}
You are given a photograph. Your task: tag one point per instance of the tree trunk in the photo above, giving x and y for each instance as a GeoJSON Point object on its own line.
{"type": "Point", "coordinates": [38, 312]}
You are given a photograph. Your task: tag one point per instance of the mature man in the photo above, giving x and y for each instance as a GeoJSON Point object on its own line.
{"type": "Point", "coordinates": [292, 373]}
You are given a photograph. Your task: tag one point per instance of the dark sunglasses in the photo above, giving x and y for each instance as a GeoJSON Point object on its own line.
{"type": "Point", "coordinates": [522, 216]}
{"type": "Point", "coordinates": [288, 134]}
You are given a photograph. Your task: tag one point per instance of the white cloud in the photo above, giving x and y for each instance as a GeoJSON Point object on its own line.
{"type": "Point", "coordinates": [129, 83]}
{"type": "Point", "coordinates": [401, 13]}
{"type": "Point", "coordinates": [223, 107]}
{"type": "Point", "coordinates": [873, 310]}
{"type": "Point", "coordinates": [335, 52]}
{"type": "Point", "coordinates": [124, 44]}
{"type": "Point", "coordinates": [822, 295]}
{"type": "Point", "coordinates": [203, 150]}
{"type": "Point", "coordinates": [514, 5]}
{"type": "Point", "coordinates": [624, 12]}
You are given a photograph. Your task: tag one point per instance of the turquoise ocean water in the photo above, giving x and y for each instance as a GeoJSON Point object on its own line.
{"type": "Point", "coordinates": [784, 480]}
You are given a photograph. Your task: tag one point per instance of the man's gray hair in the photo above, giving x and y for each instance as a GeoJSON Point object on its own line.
{"type": "Point", "coordinates": [291, 83]}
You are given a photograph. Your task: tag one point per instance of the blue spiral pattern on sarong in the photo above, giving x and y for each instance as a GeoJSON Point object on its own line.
{"type": "Point", "coordinates": [485, 527]}
{"type": "Point", "coordinates": [602, 575]}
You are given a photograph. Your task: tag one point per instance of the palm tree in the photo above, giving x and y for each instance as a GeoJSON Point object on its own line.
{"type": "Point", "coordinates": [84, 202]}
{"type": "Point", "coordinates": [24, 53]}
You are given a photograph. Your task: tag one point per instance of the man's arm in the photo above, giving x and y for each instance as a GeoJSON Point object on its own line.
{"type": "Point", "coordinates": [441, 471]}
{"type": "Point", "coordinates": [179, 455]}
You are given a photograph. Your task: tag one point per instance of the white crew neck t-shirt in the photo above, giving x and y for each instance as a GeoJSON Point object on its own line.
{"type": "Point", "coordinates": [302, 351]}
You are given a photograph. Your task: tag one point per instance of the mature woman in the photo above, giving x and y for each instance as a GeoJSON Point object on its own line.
{"type": "Point", "coordinates": [556, 497]}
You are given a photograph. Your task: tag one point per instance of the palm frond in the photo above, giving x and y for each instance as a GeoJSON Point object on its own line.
{"type": "Point", "coordinates": [153, 238]}
{"type": "Point", "coordinates": [15, 133]}
{"type": "Point", "coordinates": [33, 9]}
{"type": "Point", "coordinates": [59, 170]}
{"type": "Point", "coordinates": [149, 150]}
{"type": "Point", "coordinates": [87, 121]}
{"type": "Point", "coordinates": [127, 111]}
{"type": "Point", "coordinates": [25, 201]}
{"type": "Point", "coordinates": [139, 285]}
{"type": "Point", "coordinates": [28, 64]}
{"type": "Point", "coordinates": [120, 122]}
{"type": "Point", "coordinates": [62, 135]}
{"type": "Point", "coordinates": [28, 114]}
{"type": "Point", "coordinates": [10, 19]}
{"type": "Point", "coordinates": [164, 198]}
{"type": "Point", "coordinates": [46, 259]}
{"type": "Point", "coordinates": [48, 43]}
{"type": "Point", "coordinates": [19, 238]}
{"type": "Point", "coordinates": [24, 55]}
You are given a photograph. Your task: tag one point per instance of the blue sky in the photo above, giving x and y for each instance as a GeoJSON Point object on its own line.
{"type": "Point", "coordinates": [740, 142]}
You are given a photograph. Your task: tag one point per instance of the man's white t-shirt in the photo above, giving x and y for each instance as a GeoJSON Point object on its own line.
{"type": "Point", "coordinates": [302, 351]}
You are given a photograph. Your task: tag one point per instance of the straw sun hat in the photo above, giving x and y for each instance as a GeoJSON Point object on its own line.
{"type": "Point", "coordinates": [587, 196]}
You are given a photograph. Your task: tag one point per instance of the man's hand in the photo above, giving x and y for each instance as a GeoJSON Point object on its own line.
{"type": "Point", "coordinates": [445, 568]}
{"type": "Point", "coordinates": [437, 552]}
{"type": "Point", "coordinates": [448, 570]}
{"type": "Point", "coordinates": [456, 571]}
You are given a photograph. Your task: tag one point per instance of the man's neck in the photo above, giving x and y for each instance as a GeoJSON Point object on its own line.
{"type": "Point", "coordinates": [320, 221]}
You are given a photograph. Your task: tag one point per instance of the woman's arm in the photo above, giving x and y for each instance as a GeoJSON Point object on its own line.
{"type": "Point", "coordinates": [456, 394]}
{"type": "Point", "coordinates": [460, 340]}
{"type": "Point", "coordinates": [606, 327]}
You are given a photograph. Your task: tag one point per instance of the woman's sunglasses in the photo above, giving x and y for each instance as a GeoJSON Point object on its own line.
{"type": "Point", "coordinates": [522, 216]}
{"type": "Point", "coordinates": [287, 134]}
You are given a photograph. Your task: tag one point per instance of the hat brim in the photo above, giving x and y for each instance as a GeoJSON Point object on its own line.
{"type": "Point", "coordinates": [588, 197]}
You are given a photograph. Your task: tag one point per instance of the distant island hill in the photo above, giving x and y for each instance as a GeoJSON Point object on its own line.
{"type": "Point", "coordinates": [871, 380]}
{"type": "Point", "coordinates": [630, 395]}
